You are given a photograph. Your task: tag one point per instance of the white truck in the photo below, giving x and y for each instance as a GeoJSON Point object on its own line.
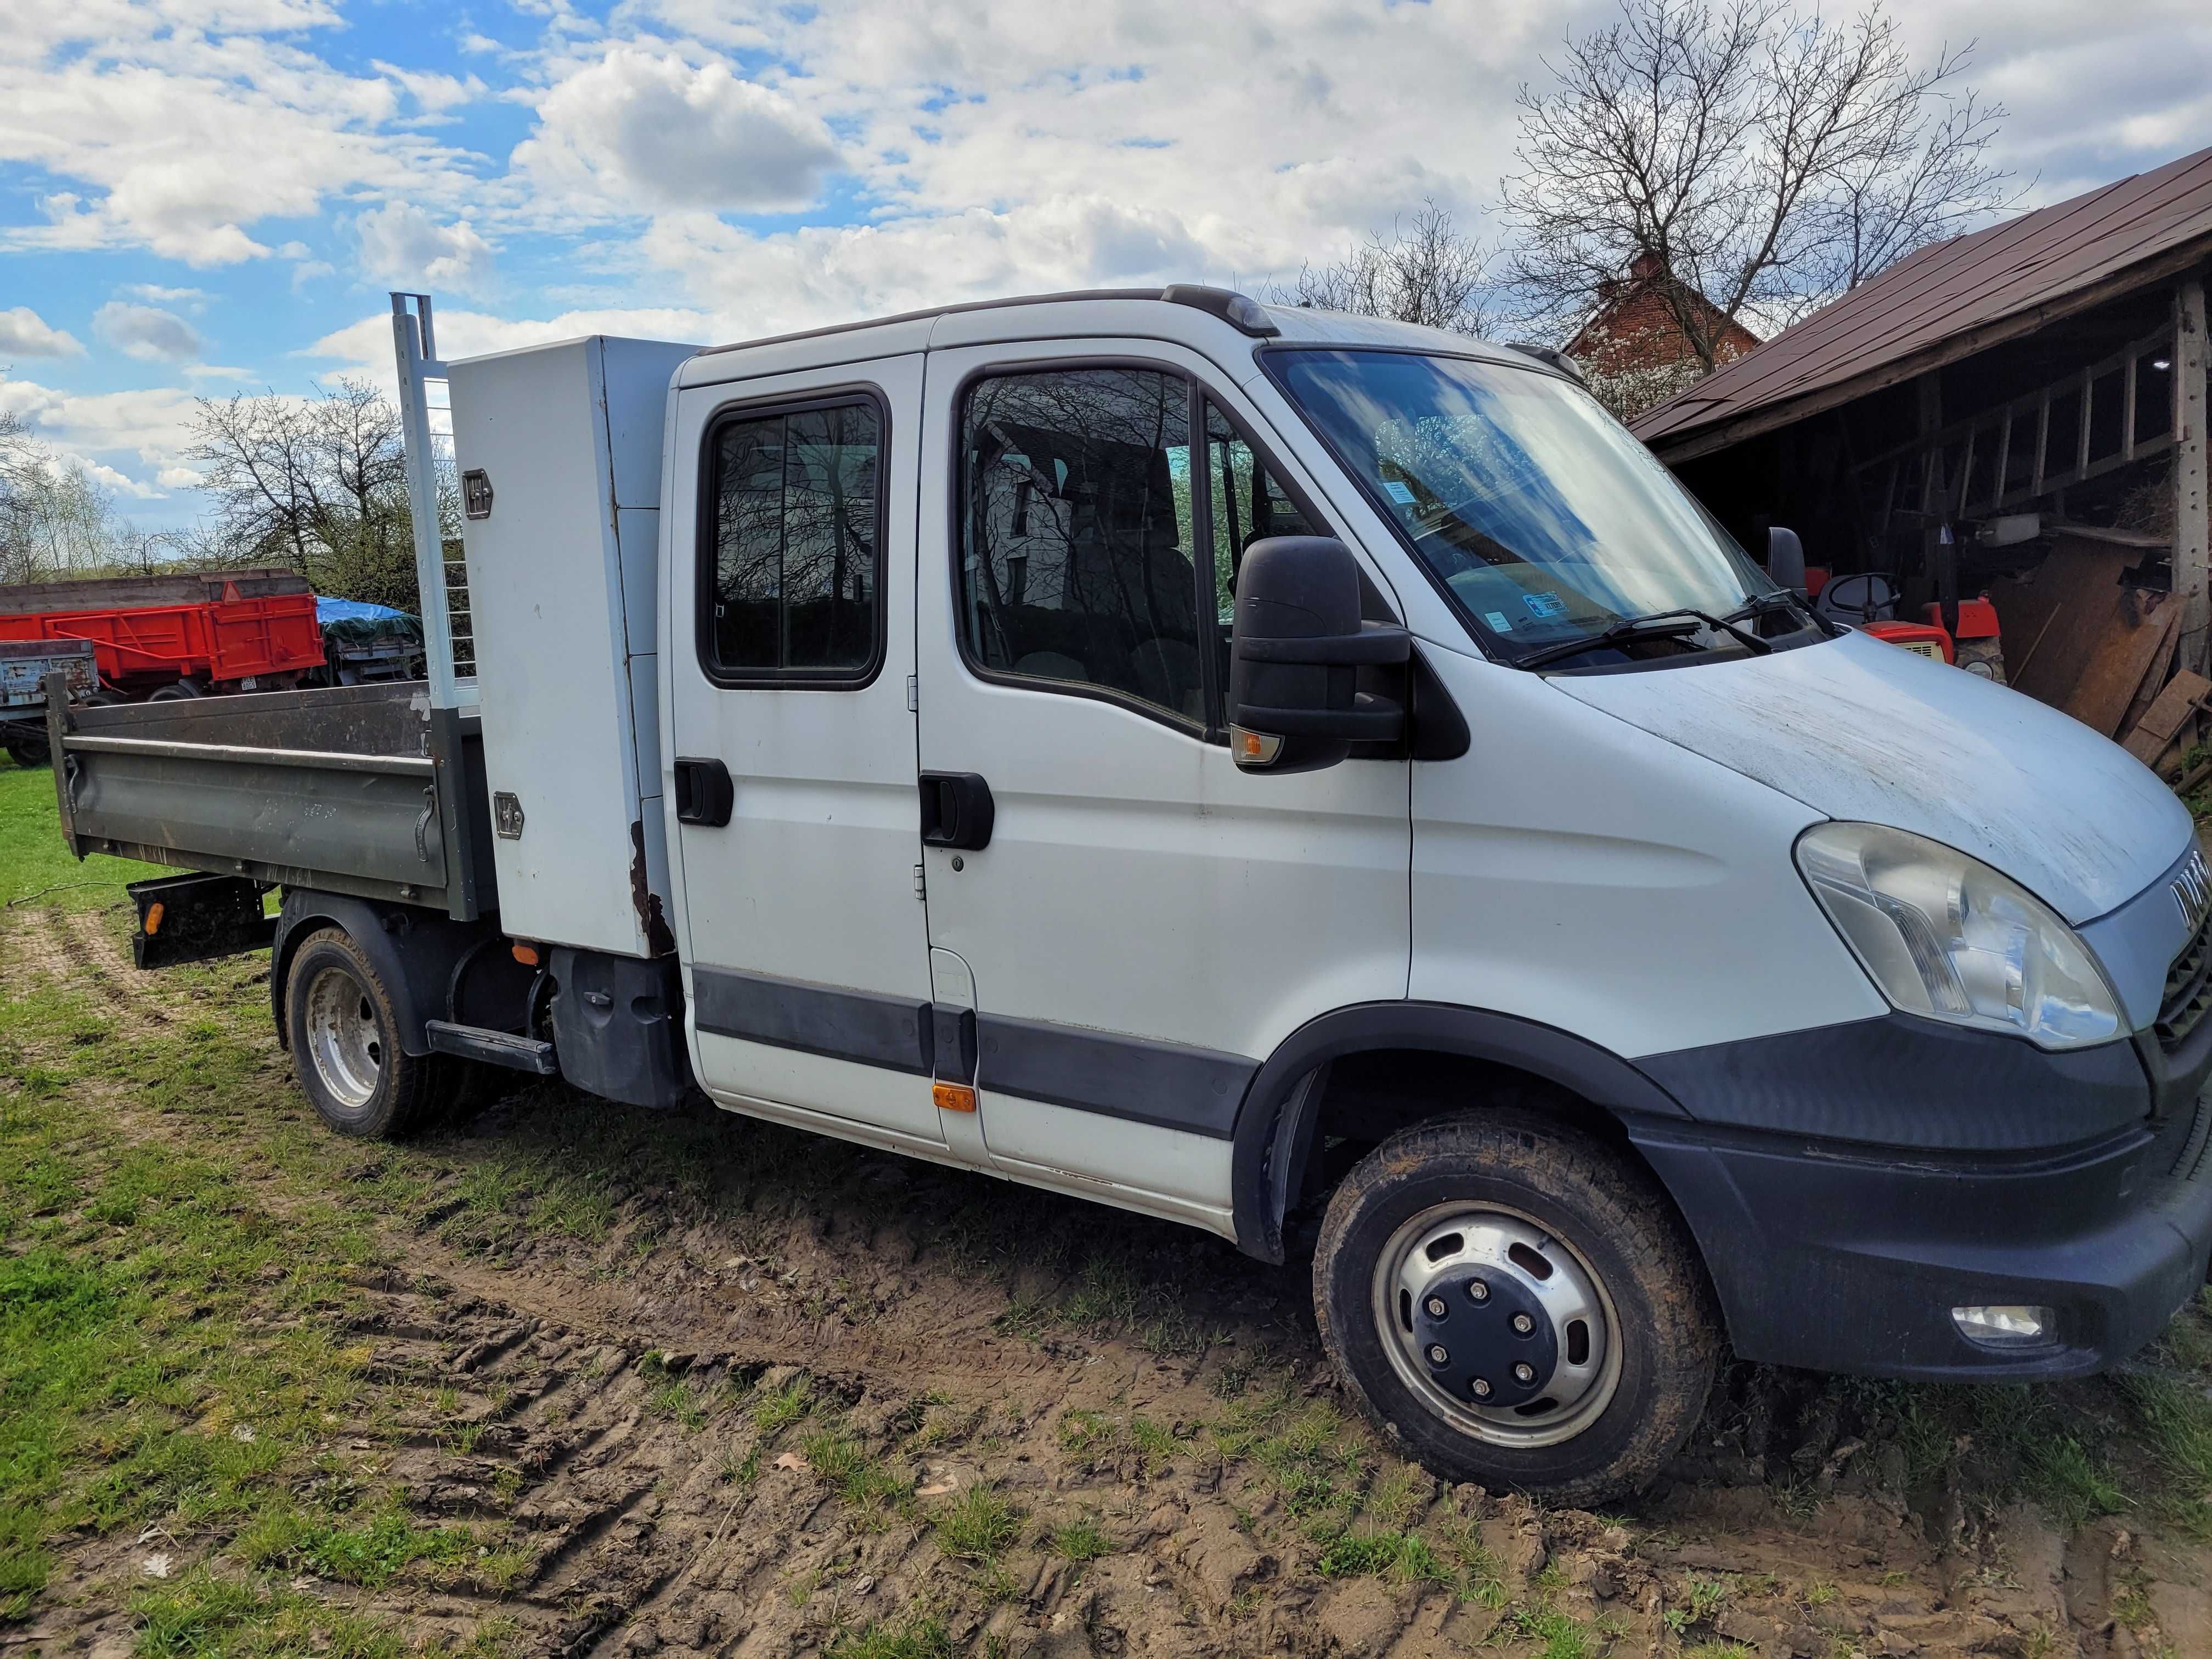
{"type": "Point", "coordinates": [1312, 778]}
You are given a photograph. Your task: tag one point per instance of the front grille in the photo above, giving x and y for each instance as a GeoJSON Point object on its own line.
{"type": "Point", "coordinates": [2188, 996]}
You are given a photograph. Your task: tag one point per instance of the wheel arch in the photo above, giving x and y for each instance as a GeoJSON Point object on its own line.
{"type": "Point", "coordinates": [413, 951]}
{"type": "Point", "coordinates": [1284, 1105]}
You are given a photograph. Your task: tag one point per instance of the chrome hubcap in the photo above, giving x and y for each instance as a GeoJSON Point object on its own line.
{"type": "Point", "coordinates": [343, 1042]}
{"type": "Point", "coordinates": [1497, 1326]}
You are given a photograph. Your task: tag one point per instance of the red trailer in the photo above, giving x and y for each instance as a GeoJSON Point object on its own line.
{"type": "Point", "coordinates": [178, 636]}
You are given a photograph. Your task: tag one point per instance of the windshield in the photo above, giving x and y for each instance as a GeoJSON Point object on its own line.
{"type": "Point", "coordinates": [1544, 517]}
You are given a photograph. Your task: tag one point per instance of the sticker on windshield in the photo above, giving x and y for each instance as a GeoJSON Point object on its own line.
{"type": "Point", "coordinates": [1497, 620]}
{"type": "Point", "coordinates": [1545, 605]}
{"type": "Point", "coordinates": [1401, 492]}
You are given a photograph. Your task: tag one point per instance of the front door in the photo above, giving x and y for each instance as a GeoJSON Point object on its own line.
{"type": "Point", "coordinates": [793, 750]}
{"type": "Point", "coordinates": [1145, 922]}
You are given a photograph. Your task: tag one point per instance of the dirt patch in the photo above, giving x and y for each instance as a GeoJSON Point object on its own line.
{"type": "Point", "coordinates": [724, 1388]}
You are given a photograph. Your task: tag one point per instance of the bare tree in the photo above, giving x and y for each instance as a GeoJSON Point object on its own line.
{"type": "Point", "coordinates": [1428, 273]}
{"type": "Point", "coordinates": [1771, 159]}
{"type": "Point", "coordinates": [319, 484]}
{"type": "Point", "coordinates": [258, 463]}
{"type": "Point", "coordinates": [21, 465]}
{"type": "Point", "coordinates": [56, 519]}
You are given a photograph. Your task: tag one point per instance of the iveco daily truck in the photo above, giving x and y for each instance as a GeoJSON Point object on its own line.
{"type": "Point", "coordinates": [1311, 778]}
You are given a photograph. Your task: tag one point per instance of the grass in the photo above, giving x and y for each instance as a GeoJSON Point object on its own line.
{"type": "Point", "coordinates": [860, 1481]}
{"type": "Point", "coordinates": [977, 1527]}
{"type": "Point", "coordinates": [1080, 1541]}
{"type": "Point", "coordinates": [173, 1350]}
{"type": "Point", "coordinates": [2177, 1423]}
{"type": "Point", "coordinates": [776, 1412]}
{"type": "Point", "coordinates": [1401, 1558]}
{"type": "Point", "coordinates": [35, 862]}
{"type": "Point", "coordinates": [917, 1637]}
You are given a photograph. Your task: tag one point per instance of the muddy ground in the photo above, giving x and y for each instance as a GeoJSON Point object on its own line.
{"type": "Point", "coordinates": [712, 1387]}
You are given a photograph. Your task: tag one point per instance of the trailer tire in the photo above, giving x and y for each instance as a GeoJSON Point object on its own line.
{"type": "Point", "coordinates": [180, 691]}
{"type": "Point", "coordinates": [344, 1035]}
{"type": "Point", "coordinates": [1516, 1304]}
{"type": "Point", "coordinates": [27, 752]}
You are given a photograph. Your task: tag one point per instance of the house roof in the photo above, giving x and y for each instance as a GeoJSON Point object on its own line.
{"type": "Point", "coordinates": [1949, 300]}
{"type": "Point", "coordinates": [1644, 273]}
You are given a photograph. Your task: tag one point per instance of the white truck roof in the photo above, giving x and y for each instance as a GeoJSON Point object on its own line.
{"type": "Point", "coordinates": [1101, 313]}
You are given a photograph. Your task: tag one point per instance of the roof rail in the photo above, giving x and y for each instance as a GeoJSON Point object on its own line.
{"type": "Point", "coordinates": [1237, 309]}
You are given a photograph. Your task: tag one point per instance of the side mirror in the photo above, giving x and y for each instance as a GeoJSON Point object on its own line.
{"type": "Point", "coordinates": [1294, 656]}
{"type": "Point", "coordinates": [1785, 558]}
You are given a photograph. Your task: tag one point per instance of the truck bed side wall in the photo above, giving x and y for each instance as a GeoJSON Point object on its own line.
{"type": "Point", "coordinates": [355, 790]}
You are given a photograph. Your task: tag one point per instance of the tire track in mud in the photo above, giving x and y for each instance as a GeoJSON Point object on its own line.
{"type": "Point", "coordinates": [608, 1431]}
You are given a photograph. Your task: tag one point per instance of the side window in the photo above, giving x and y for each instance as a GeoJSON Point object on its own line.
{"type": "Point", "coordinates": [1076, 533]}
{"type": "Point", "coordinates": [791, 586]}
{"type": "Point", "coordinates": [1249, 503]}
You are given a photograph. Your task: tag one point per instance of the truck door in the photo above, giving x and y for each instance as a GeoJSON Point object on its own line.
{"type": "Point", "coordinates": [791, 639]}
{"type": "Point", "coordinates": [1144, 922]}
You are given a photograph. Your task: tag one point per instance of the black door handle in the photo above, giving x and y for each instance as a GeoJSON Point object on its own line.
{"type": "Point", "coordinates": [704, 794]}
{"type": "Point", "coordinates": [957, 811]}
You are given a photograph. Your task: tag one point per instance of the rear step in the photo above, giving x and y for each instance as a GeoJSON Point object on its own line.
{"type": "Point", "coordinates": [518, 1053]}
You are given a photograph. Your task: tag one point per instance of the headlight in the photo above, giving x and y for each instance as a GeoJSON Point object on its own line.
{"type": "Point", "coordinates": [1944, 935]}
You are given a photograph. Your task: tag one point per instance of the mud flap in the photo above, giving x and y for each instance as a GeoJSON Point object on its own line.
{"type": "Point", "coordinates": [196, 918]}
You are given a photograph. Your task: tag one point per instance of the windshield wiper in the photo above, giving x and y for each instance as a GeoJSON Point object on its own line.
{"type": "Point", "coordinates": [1782, 598]}
{"type": "Point", "coordinates": [1659, 625]}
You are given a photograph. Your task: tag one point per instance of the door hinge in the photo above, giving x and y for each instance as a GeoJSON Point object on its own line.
{"type": "Point", "coordinates": [918, 890]}
{"type": "Point", "coordinates": [914, 693]}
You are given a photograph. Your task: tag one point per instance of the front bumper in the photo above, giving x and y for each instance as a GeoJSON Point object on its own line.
{"type": "Point", "coordinates": [1840, 1254]}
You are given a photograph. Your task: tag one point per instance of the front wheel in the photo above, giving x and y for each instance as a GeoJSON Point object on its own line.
{"type": "Point", "coordinates": [1517, 1305]}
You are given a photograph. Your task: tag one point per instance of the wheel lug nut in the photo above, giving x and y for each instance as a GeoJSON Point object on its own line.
{"type": "Point", "coordinates": [1435, 1305]}
{"type": "Point", "coordinates": [1437, 1354]}
{"type": "Point", "coordinates": [1524, 1373]}
{"type": "Point", "coordinates": [1480, 1388]}
{"type": "Point", "coordinates": [1523, 1324]}
{"type": "Point", "coordinates": [1478, 1290]}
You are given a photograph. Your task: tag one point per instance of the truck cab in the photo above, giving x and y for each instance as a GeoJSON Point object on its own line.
{"type": "Point", "coordinates": [1314, 779]}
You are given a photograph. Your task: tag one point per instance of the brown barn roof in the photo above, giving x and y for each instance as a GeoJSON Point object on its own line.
{"type": "Point", "coordinates": [1949, 301]}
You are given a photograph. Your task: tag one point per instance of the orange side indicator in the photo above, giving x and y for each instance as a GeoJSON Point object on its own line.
{"type": "Point", "coordinates": [155, 912]}
{"type": "Point", "coordinates": [953, 1097]}
{"type": "Point", "coordinates": [525, 954]}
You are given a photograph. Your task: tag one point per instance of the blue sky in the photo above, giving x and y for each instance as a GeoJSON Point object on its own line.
{"type": "Point", "coordinates": [198, 197]}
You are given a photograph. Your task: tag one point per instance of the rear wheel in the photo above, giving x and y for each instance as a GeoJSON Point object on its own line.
{"type": "Point", "coordinates": [177, 693]}
{"type": "Point", "coordinates": [345, 1042]}
{"type": "Point", "coordinates": [1517, 1306]}
{"type": "Point", "coordinates": [28, 751]}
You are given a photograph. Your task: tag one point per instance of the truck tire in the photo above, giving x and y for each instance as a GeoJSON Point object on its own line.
{"type": "Point", "coordinates": [345, 1046]}
{"type": "Point", "coordinates": [1516, 1304]}
{"type": "Point", "coordinates": [181, 691]}
{"type": "Point", "coordinates": [28, 752]}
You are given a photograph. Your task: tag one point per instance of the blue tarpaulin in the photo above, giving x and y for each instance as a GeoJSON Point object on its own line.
{"type": "Point", "coordinates": [330, 611]}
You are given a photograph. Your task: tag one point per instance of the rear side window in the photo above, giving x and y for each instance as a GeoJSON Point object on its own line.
{"type": "Point", "coordinates": [791, 587]}
{"type": "Point", "coordinates": [1077, 542]}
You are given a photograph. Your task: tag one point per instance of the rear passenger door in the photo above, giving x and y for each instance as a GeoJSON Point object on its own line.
{"type": "Point", "coordinates": [1145, 922]}
{"type": "Point", "coordinates": [791, 640]}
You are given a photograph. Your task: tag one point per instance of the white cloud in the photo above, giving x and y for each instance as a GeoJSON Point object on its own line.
{"type": "Point", "coordinates": [400, 243]}
{"type": "Point", "coordinates": [178, 125]}
{"type": "Point", "coordinates": [24, 333]}
{"type": "Point", "coordinates": [363, 348]}
{"type": "Point", "coordinates": [147, 333]}
{"type": "Point", "coordinates": [106, 430]}
{"type": "Point", "coordinates": [639, 130]}
{"type": "Point", "coordinates": [176, 478]}
{"type": "Point", "coordinates": [193, 300]}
